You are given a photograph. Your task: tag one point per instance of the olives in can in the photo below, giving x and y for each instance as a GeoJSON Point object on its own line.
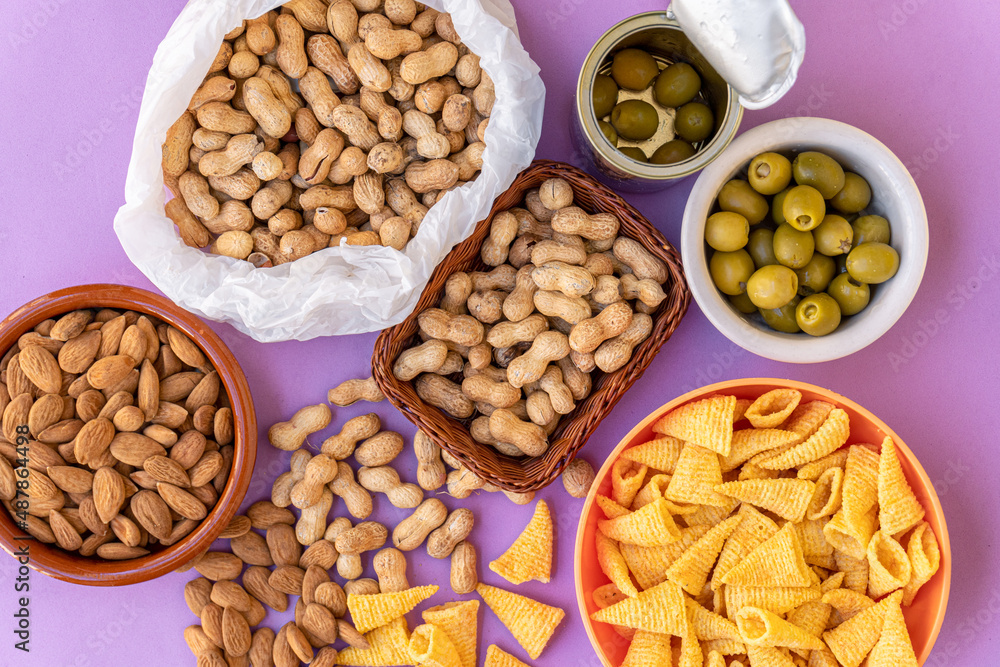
{"type": "Point", "coordinates": [634, 69]}
{"type": "Point", "coordinates": [676, 85]}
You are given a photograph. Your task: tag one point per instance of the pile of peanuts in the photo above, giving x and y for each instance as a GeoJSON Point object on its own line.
{"type": "Point", "coordinates": [389, 114]}
{"type": "Point", "coordinates": [568, 296]}
{"type": "Point", "coordinates": [117, 433]}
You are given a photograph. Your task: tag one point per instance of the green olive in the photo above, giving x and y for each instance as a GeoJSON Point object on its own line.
{"type": "Point", "coordinates": [605, 95]}
{"type": "Point", "coordinates": [841, 261]}
{"type": "Point", "coordinates": [816, 275]}
{"type": "Point", "coordinates": [737, 196]}
{"type": "Point", "coordinates": [871, 229]}
{"type": "Point", "coordinates": [834, 235]}
{"type": "Point", "coordinates": [772, 286]}
{"type": "Point", "coordinates": [676, 85]}
{"type": "Point", "coordinates": [694, 122]}
{"type": "Point", "coordinates": [634, 153]}
{"type": "Point", "coordinates": [676, 150]}
{"type": "Point", "coordinates": [770, 173]}
{"type": "Point", "coordinates": [854, 196]}
{"type": "Point", "coordinates": [850, 295]}
{"type": "Point", "coordinates": [608, 130]}
{"type": "Point", "coordinates": [803, 207]}
{"type": "Point", "coordinates": [742, 303]}
{"type": "Point", "coordinates": [873, 263]}
{"type": "Point", "coordinates": [818, 314]}
{"type": "Point", "coordinates": [730, 271]}
{"type": "Point", "coordinates": [726, 231]}
{"type": "Point", "coordinates": [635, 120]}
{"type": "Point", "coordinates": [820, 171]}
{"type": "Point", "coordinates": [760, 245]}
{"type": "Point", "coordinates": [782, 319]}
{"type": "Point", "coordinates": [777, 202]}
{"type": "Point", "coordinates": [634, 69]}
{"type": "Point", "coordinates": [793, 248]}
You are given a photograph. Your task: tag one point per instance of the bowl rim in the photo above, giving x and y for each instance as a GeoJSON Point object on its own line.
{"type": "Point", "coordinates": [934, 503]}
{"type": "Point", "coordinates": [53, 561]}
{"type": "Point", "coordinates": [801, 348]}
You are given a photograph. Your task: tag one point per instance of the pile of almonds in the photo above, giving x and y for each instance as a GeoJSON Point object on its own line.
{"type": "Point", "coordinates": [117, 433]}
{"type": "Point", "coordinates": [318, 123]}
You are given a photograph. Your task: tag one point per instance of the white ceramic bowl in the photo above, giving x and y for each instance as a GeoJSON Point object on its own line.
{"type": "Point", "coordinates": [894, 196]}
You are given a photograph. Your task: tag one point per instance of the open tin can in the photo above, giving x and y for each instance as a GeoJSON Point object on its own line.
{"type": "Point", "coordinates": [747, 53]}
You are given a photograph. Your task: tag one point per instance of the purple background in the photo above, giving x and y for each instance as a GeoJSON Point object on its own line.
{"type": "Point", "coordinates": [917, 77]}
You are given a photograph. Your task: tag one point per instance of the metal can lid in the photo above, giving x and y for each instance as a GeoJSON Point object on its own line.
{"type": "Point", "coordinates": [756, 45]}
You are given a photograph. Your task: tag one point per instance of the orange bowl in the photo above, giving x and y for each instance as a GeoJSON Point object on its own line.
{"type": "Point", "coordinates": [74, 568]}
{"type": "Point", "coordinates": [923, 618]}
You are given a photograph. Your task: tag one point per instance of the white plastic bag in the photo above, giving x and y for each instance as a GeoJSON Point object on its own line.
{"type": "Point", "coordinates": [338, 290]}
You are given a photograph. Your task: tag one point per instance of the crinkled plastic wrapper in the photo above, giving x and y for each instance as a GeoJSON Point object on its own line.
{"type": "Point", "coordinates": [345, 290]}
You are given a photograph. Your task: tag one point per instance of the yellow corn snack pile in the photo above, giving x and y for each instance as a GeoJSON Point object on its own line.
{"type": "Point", "coordinates": [707, 423]}
{"type": "Point", "coordinates": [389, 645]}
{"type": "Point", "coordinates": [530, 557]}
{"type": "Point", "coordinates": [460, 621]}
{"type": "Point", "coordinates": [496, 657]}
{"type": "Point", "coordinates": [781, 544]}
{"type": "Point", "coordinates": [375, 610]}
{"type": "Point", "coordinates": [430, 647]}
{"type": "Point", "coordinates": [531, 622]}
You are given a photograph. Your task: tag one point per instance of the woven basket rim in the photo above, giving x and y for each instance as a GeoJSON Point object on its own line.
{"type": "Point", "coordinates": [521, 475]}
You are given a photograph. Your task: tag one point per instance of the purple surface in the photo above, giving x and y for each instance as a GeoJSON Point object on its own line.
{"type": "Point", "coordinates": [918, 78]}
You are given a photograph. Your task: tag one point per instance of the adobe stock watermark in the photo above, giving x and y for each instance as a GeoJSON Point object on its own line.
{"type": "Point", "coordinates": [921, 163]}
{"type": "Point", "coordinates": [928, 328]}
{"type": "Point", "coordinates": [35, 19]}
{"type": "Point", "coordinates": [560, 12]}
{"type": "Point", "coordinates": [973, 627]}
{"type": "Point", "coordinates": [899, 15]}
{"type": "Point", "coordinates": [715, 370]}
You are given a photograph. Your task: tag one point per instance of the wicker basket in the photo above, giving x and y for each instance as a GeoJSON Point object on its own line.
{"type": "Point", "coordinates": [530, 474]}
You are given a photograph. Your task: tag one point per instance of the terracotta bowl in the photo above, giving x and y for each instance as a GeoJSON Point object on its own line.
{"type": "Point", "coordinates": [923, 618]}
{"type": "Point", "coordinates": [53, 561]}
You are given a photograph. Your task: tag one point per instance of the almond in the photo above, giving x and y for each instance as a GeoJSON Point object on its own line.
{"type": "Point", "coordinates": [66, 536]}
{"type": "Point", "coordinates": [315, 576]}
{"type": "Point", "coordinates": [71, 479]}
{"type": "Point", "coordinates": [115, 402]}
{"type": "Point", "coordinates": [111, 336]}
{"type": "Point", "coordinates": [119, 551]}
{"type": "Point", "coordinates": [143, 479]}
{"type": "Point", "coordinates": [351, 636]}
{"type": "Point", "coordinates": [89, 404]}
{"type": "Point", "coordinates": [230, 594]}
{"type": "Point", "coordinates": [152, 513]}
{"type": "Point", "coordinates": [129, 419]}
{"type": "Point", "coordinates": [91, 519]}
{"type": "Point", "coordinates": [213, 658]}
{"type": "Point", "coordinates": [179, 386]}
{"type": "Point", "coordinates": [126, 530]}
{"type": "Point", "coordinates": [325, 657]}
{"type": "Point", "coordinates": [61, 432]}
{"type": "Point", "coordinates": [262, 648]}
{"type": "Point", "coordinates": [238, 525]}
{"type": "Point", "coordinates": [71, 325]}
{"type": "Point", "coordinates": [205, 393]}
{"type": "Point", "coordinates": [321, 553]}
{"type": "Point", "coordinates": [148, 397]}
{"type": "Point", "coordinates": [332, 596]}
{"type": "Point", "coordinates": [287, 579]}
{"type": "Point", "coordinates": [16, 414]}
{"type": "Point", "coordinates": [167, 470]}
{"type": "Point", "coordinates": [39, 529]}
{"type": "Point", "coordinates": [204, 420]}
{"type": "Point", "coordinates": [205, 470]}
{"type": "Point", "coordinates": [252, 548]}
{"type": "Point", "coordinates": [211, 623]}
{"type": "Point", "coordinates": [299, 644]}
{"type": "Point", "coordinates": [170, 415]}
{"type": "Point", "coordinates": [160, 434]}
{"type": "Point", "coordinates": [133, 344]}
{"type": "Point", "coordinates": [205, 493]}
{"type": "Point", "coordinates": [45, 412]}
{"type": "Point", "coordinates": [255, 581]}
{"type": "Point", "coordinates": [77, 354]}
{"type": "Point", "coordinates": [93, 440]}
{"type": "Point", "coordinates": [182, 502]}
{"type": "Point", "coordinates": [110, 371]}
{"type": "Point", "coordinates": [129, 384]}
{"type": "Point", "coordinates": [35, 338]}
{"type": "Point", "coordinates": [283, 654]}
{"type": "Point", "coordinates": [8, 481]}
{"type": "Point", "coordinates": [264, 515]}
{"type": "Point", "coordinates": [224, 426]}
{"type": "Point", "coordinates": [220, 480]}
{"type": "Point", "coordinates": [219, 566]}
{"type": "Point", "coordinates": [37, 485]}
{"type": "Point", "coordinates": [197, 594]}
{"type": "Point", "coordinates": [134, 448]}
{"type": "Point", "coordinates": [235, 632]}
{"type": "Point", "coordinates": [189, 449]}
{"type": "Point", "coordinates": [197, 640]}
{"type": "Point", "coordinates": [17, 382]}
{"type": "Point", "coordinates": [41, 456]}
{"type": "Point", "coordinates": [320, 622]}
{"type": "Point", "coordinates": [181, 530]}
{"type": "Point", "coordinates": [109, 493]}
{"type": "Point", "coordinates": [185, 350]}
{"type": "Point", "coordinates": [94, 542]}
{"type": "Point", "coordinates": [285, 549]}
